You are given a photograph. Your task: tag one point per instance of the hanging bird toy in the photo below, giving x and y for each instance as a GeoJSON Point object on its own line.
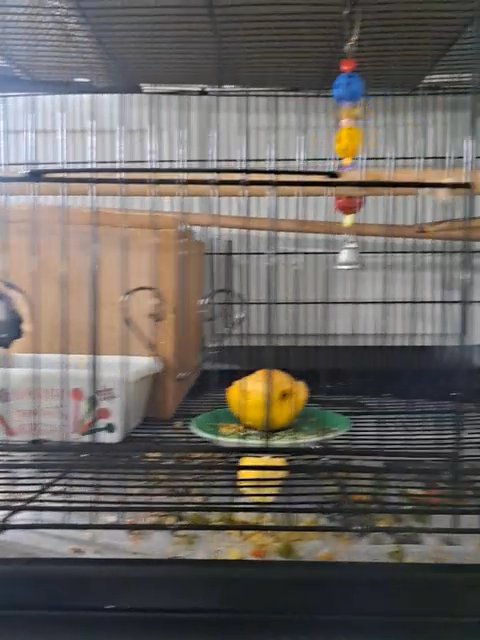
{"type": "Point", "coordinates": [348, 91]}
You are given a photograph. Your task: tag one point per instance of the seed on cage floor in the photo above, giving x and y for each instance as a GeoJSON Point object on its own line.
{"type": "Point", "coordinates": [379, 539]}
{"type": "Point", "coordinates": [78, 551]}
{"type": "Point", "coordinates": [407, 538]}
{"type": "Point", "coordinates": [397, 554]}
{"type": "Point", "coordinates": [136, 536]}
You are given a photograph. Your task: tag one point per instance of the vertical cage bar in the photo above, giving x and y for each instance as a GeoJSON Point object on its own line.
{"type": "Point", "coordinates": [469, 164]}
{"type": "Point", "coordinates": [5, 255]}
{"type": "Point", "coordinates": [35, 284]}
{"type": "Point", "coordinates": [121, 135]}
{"type": "Point", "coordinates": [67, 428]}
{"type": "Point", "coordinates": [93, 316]}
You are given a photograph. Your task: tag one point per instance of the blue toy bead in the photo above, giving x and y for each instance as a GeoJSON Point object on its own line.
{"type": "Point", "coordinates": [348, 87]}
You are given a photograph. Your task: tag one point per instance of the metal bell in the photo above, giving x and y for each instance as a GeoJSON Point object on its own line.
{"type": "Point", "coordinates": [349, 255]}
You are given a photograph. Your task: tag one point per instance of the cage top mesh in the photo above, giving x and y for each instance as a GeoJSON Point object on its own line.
{"type": "Point", "coordinates": [135, 45]}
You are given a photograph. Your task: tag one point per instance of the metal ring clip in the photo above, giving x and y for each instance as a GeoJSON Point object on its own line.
{"type": "Point", "coordinates": [156, 315]}
{"type": "Point", "coordinates": [230, 323]}
{"type": "Point", "coordinates": [231, 320]}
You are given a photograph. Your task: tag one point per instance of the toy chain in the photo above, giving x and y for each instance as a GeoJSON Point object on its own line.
{"type": "Point", "coordinates": [352, 19]}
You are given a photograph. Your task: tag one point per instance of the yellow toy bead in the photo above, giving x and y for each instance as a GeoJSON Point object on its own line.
{"type": "Point", "coordinates": [350, 112]}
{"type": "Point", "coordinates": [348, 220]}
{"type": "Point", "coordinates": [347, 142]}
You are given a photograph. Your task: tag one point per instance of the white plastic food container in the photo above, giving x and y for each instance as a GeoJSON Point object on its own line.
{"type": "Point", "coordinates": [50, 396]}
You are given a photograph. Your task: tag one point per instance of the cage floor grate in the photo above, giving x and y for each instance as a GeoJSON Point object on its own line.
{"type": "Point", "coordinates": [399, 471]}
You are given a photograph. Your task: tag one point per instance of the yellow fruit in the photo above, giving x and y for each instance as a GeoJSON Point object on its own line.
{"type": "Point", "coordinates": [347, 142]}
{"type": "Point", "coordinates": [267, 399]}
{"type": "Point", "coordinates": [269, 482]}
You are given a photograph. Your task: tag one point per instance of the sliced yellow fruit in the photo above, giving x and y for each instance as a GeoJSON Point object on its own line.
{"type": "Point", "coordinates": [261, 485]}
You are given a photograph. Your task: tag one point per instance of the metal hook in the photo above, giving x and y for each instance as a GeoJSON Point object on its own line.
{"type": "Point", "coordinates": [230, 322]}
{"type": "Point", "coordinates": [156, 316]}
{"type": "Point", "coordinates": [352, 26]}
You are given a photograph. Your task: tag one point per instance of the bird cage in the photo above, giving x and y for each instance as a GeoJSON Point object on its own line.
{"type": "Point", "coordinates": [238, 308]}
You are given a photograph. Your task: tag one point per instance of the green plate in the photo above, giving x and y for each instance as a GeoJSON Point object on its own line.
{"type": "Point", "coordinates": [312, 425]}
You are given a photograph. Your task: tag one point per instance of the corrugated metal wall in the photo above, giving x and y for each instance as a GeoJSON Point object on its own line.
{"type": "Point", "coordinates": [409, 291]}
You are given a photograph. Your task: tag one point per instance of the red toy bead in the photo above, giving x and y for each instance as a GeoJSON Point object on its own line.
{"type": "Point", "coordinates": [348, 205]}
{"type": "Point", "coordinates": [347, 65]}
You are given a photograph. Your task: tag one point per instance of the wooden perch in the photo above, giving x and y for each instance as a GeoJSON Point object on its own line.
{"type": "Point", "coordinates": [443, 230]}
{"type": "Point", "coordinates": [408, 181]}
{"type": "Point", "coordinates": [454, 224]}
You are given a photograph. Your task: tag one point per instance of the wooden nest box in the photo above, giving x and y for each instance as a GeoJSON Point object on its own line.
{"type": "Point", "coordinates": [76, 290]}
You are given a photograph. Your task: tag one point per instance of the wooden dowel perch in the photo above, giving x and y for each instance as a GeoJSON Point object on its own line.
{"type": "Point", "coordinates": [443, 230]}
{"type": "Point", "coordinates": [397, 182]}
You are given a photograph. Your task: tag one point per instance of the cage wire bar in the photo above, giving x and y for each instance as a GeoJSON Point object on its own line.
{"type": "Point", "coordinates": [393, 346]}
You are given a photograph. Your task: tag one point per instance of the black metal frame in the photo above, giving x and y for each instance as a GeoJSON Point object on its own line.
{"type": "Point", "coordinates": [317, 593]}
{"type": "Point", "coordinates": [71, 175]}
{"type": "Point", "coordinates": [186, 626]}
